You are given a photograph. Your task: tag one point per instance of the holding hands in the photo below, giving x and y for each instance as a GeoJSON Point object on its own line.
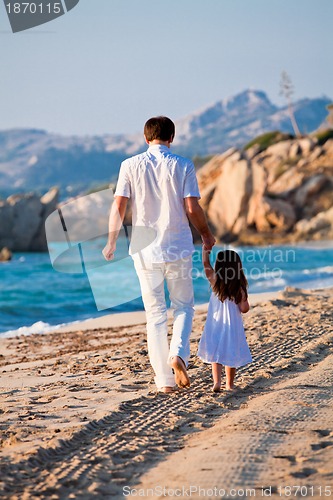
{"type": "Point", "coordinates": [208, 241]}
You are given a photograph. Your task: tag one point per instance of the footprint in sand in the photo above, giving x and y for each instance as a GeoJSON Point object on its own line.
{"type": "Point", "coordinates": [321, 445]}
{"type": "Point", "coordinates": [322, 432]}
{"type": "Point", "coordinates": [306, 472]}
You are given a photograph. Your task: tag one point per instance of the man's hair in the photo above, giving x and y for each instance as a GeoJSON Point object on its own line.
{"type": "Point", "coordinates": [159, 127]}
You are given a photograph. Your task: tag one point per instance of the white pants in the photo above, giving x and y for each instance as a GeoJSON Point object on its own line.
{"type": "Point", "coordinates": [178, 277]}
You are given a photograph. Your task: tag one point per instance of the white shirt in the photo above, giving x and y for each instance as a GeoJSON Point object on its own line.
{"type": "Point", "coordinates": [157, 182]}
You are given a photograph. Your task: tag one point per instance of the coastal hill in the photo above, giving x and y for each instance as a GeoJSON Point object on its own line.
{"type": "Point", "coordinates": [35, 159]}
{"type": "Point", "coordinates": [274, 190]}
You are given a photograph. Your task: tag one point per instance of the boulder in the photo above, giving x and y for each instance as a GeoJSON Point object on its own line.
{"type": "Point", "coordinates": [259, 186]}
{"type": "Point", "coordinates": [287, 182]}
{"type": "Point", "coordinates": [275, 159]}
{"type": "Point", "coordinates": [212, 169]}
{"type": "Point", "coordinates": [275, 214]}
{"type": "Point", "coordinates": [323, 220]}
{"type": "Point", "coordinates": [259, 178]}
{"type": "Point", "coordinates": [316, 153]}
{"type": "Point", "coordinates": [49, 204]}
{"type": "Point", "coordinates": [328, 146]}
{"type": "Point", "coordinates": [207, 195]}
{"type": "Point", "coordinates": [252, 212]}
{"type": "Point", "coordinates": [231, 196]}
{"type": "Point", "coordinates": [302, 163]}
{"type": "Point", "coordinates": [279, 150]}
{"type": "Point", "coordinates": [5, 254]}
{"type": "Point", "coordinates": [310, 188]}
{"type": "Point", "coordinates": [275, 170]}
{"type": "Point", "coordinates": [28, 211]}
{"type": "Point", "coordinates": [307, 144]}
{"type": "Point", "coordinates": [280, 214]}
{"type": "Point", "coordinates": [87, 216]}
{"type": "Point", "coordinates": [295, 150]}
{"type": "Point", "coordinates": [7, 224]}
{"type": "Point", "coordinates": [23, 219]}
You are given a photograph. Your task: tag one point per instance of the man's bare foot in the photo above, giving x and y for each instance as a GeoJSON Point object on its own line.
{"type": "Point", "coordinates": [217, 388]}
{"type": "Point", "coordinates": [167, 389]}
{"type": "Point", "coordinates": [179, 367]}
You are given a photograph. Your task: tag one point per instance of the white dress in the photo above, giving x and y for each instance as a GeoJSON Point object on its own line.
{"type": "Point", "coordinates": [223, 340]}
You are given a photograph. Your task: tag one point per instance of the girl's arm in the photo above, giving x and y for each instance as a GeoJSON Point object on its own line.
{"type": "Point", "coordinates": [209, 271]}
{"type": "Point", "coordinates": [244, 305]}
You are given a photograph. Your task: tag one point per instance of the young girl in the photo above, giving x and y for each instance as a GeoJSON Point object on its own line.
{"type": "Point", "coordinates": [223, 341]}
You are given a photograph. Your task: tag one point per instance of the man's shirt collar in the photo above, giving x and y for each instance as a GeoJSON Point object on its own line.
{"type": "Point", "coordinates": [159, 147]}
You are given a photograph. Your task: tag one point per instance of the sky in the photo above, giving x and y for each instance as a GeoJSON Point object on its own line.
{"type": "Point", "coordinates": [108, 65]}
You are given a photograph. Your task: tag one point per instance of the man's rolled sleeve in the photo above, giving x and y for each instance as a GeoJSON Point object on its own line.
{"type": "Point", "coordinates": [191, 188]}
{"type": "Point", "coordinates": [123, 185]}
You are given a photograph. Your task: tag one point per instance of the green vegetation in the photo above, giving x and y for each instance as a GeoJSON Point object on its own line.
{"type": "Point", "coordinates": [268, 139]}
{"type": "Point", "coordinates": [324, 135]}
{"type": "Point", "coordinates": [329, 119]}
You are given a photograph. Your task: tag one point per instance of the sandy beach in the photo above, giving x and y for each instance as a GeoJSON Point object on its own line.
{"type": "Point", "coordinates": [80, 416]}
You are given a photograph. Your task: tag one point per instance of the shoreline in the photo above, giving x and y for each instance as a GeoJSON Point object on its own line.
{"type": "Point", "coordinates": [139, 317]}
{"type": "Point", "coordinates": [122, 319]}
{"type": "Point", "coordinates": [112, 320]}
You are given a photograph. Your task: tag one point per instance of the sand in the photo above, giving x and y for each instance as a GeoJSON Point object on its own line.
{"type": "Point", "coordinates": [80, 417]}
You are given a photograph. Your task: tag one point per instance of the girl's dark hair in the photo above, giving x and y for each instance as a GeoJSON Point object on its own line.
{"type": "Point", "coordinates": [230, 278]}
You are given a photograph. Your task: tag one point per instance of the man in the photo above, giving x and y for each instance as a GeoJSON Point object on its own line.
{"type": "Point", "coordinates": [164, 193]}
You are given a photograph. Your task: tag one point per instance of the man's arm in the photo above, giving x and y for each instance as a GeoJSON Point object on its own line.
{"type": "Point", "coordinates": [197, 218]}
{"type": "Point", "coordinates": [116, 218]}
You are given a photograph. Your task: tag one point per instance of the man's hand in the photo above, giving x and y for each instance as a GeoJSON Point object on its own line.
{"type": "Point", "coordinates": [109, 250]}
{"type": "Point", "coordinates": [208, 241]}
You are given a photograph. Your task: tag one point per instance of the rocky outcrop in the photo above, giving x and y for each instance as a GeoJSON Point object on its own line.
{"type": "Point", "coordinates": [280, 194]}
{"type": "Point", "coordinates": [5, 254]}
{"type": "Point", "coordinates": [22, 221]}
{"type": "Point", "coordinates": [320, 226]}
{"type": "Point", "coordinates": [227, 208]}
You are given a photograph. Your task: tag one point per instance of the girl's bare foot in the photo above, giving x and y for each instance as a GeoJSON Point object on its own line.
{"type": "Point", "coordinates": [217, 388]}
{"type": "Point", "coordinates": [230, 388]}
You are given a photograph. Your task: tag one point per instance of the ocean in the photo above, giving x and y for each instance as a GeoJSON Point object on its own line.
{"type": "Point", "coordinates": [35, 298]}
